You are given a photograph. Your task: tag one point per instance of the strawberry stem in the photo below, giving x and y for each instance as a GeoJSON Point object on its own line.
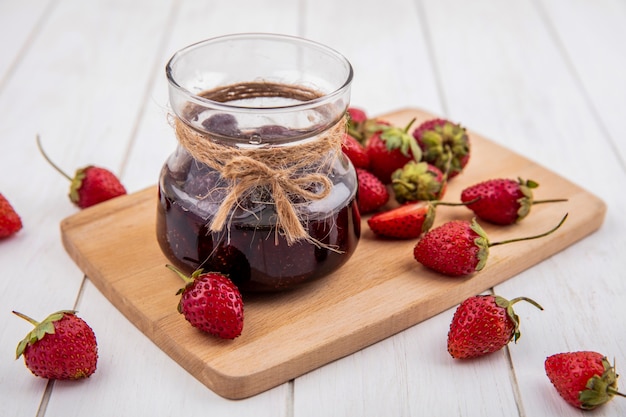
{"type": "Point", "coordinates": [529, 300]}
{"type": "Point", "coordinates": [184, 277]}
{"type": "Point", "coordinates": [406, 129]}
{"type": "Point", "coordinates": [416, 151]}
{"type": "Point", "coordinates": [557, 200]}
{"type": "Point", "coordinates": [25, 317]}
{"type": "Point", "coordinates": [59, 170]}
{"type": "Point", "coordinates": [445, 203]}
{"type": "Point", "coordinates": [613, 391]}
{"type": "Point", "coordinates": [531, 237]}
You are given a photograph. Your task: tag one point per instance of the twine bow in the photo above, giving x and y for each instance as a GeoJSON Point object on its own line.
{"type": "Point", "coordinates": [287, 172]}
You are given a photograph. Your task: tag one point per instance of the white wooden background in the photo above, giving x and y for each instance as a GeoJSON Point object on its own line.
{"type": "Point", "coordinates": [546, 78]}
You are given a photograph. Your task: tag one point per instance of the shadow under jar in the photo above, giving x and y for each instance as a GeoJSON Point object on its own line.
{"type": "Point", "coordinates": [258, 187]}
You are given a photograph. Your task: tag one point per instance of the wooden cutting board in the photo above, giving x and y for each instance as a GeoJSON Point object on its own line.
{"type": "Point", "coordinates": [380, 291]}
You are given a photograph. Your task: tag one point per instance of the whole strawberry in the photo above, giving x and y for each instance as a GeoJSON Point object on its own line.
{"type": "Point", "coordinates": [62, 346]}
{"type": "Point", "coordinates": [444, 144]}
{"type": "Point", "coordinates": [212, 303]}
{"type": "Point", "coordinates": [10, 221]}
{"type": "Point", "coordinates": [584, 379]}
{"type": "Point", "coordinates": [484, 324]}
{"type": "Point", "coordinates": [355, 152]}
{"type": "Point", "coordinates": [502, 201]}
{"type": "Point", "coordinates": [460, 247]}
{"type": "Point", "coordinates": [418, 181]}
{"type": "Point", "coordinates": [389, 149]}
{"type": "Point", "coordinates": [372, 193]}
{"type": "Point", "coordinates": [91, 185]}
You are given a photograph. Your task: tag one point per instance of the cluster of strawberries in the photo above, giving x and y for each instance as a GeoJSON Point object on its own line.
{"type": "Point", "coordinates": [415, 167]}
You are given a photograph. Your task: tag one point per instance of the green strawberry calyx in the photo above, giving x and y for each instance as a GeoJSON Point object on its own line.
{"type": "Point", "coordinates": [188, 279]}
{"type": "Point", "coordinates": [415, 182]}
{"type": "Point", "coordinates": [482, 243]}
{"type": "Point", "coordinates": [41, 329]}
{"type": "Point", "coordinates": [446, 145]}
{"type": "Point", "coordinates": [600, 389]}
{"type": "Point", "coordinates": [508, 306]}
{"type": "Point", "coordinates": [527, 200]}
{"type": "Point", "coordinates": [77, 183]}
{"type": "Point", "coordinates": [397, 138]}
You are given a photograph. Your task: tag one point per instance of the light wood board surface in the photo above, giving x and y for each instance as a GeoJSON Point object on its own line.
{"type": "Point", "coordinates": [379, 292]}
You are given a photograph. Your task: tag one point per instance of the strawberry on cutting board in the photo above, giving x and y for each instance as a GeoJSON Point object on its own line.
{"type": "Point", "coordinates": [484, 324]}
{"type": "Point", "coordinates": [418, 181]}
{"type": "Point", "coordinates": [90, 185]}
{"type": "Point", "coordinates": [584, 379]}
{"type": "Point", "coordinates": [62, 346]}
{"type": "Point", "coordinates": [357, 124]}
{"type": "Point", "coordinates": [355, 152]}
{"type": "Point", "coordinates": [460, 247]}
{"type": "Point", "coordinates": [10, 221]}
{"type": "Point", "coordinates": [372, 193]}
{"type": "Point", "coordinates": [389, 149]}
{"type": "Point", "coordinates": [501, 200]}
{"type": "Point", "coordinates": [211, 302]}
{"type": "Point", "coordinates": [444, 144]}
{"type": "Point", "coordinates": [405, 222]}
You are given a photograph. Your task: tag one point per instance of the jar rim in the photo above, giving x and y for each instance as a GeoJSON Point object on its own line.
{"type": "Point", "coordinates": [226, 106]}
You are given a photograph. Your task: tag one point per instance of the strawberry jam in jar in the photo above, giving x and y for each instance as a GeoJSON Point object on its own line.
{"type": "Point", "coordinates": [258, 188]}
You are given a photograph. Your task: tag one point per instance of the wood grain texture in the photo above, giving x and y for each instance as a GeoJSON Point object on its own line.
{"type": "Point", "coordinates": [379, 292]}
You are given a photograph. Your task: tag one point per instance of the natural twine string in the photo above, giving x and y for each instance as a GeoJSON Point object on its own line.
{"type": "Point", "coordinates": [288, 172]}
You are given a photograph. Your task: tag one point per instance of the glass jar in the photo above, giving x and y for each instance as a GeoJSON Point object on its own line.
{"type": "Point", "coordinates": [258, 187]}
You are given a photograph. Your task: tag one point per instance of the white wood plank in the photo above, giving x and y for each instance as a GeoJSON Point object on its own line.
{"type": "Point", "coordinates": [386, 47]}
{"type": "Point", "coordinates": [593, 35]}
{"type": "Point", "coordinates": [19, 20]}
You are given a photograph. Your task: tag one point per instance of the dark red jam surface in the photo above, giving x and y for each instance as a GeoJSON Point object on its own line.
{"type": "Point", "coordinates": [251, 253]}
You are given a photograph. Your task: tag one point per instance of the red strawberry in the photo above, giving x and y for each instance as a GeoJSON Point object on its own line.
{"type": "Point", "coordinates": [444, 144]}
{"type": "Point", "coordinates": [460, 247]}
{"type": "Point", "coordinates": [408, 221]}
{"type": "Point", "coordinates": [584, 379]}
{"type": "Point", "coordinates": [405, 222]}
{"type": "Point", "coordinates": [483, 324]}
{"type": "Point", "coordinates": [63, 346]}
{"type": "Point", "coordinates": [389, 149]}
{"type": "Point", "coordinates": [418, 181]}
{"type": "Point", "coordinates": [359, 126]}
{"type": "Point", "coordinates": [10, 221]}
{"type": "Point", "coordinates": [355, 152]}
{"type": "Point", "coordinates": [372, 193]}
{"type": "Point", "coordinates": [211, 303]}
{"type": "Point", "coordinates": [502, 201]}
{"type": "Point", "coordinates": [91, 185]}
{"type": "Point", "coordinates": [356, 115]}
